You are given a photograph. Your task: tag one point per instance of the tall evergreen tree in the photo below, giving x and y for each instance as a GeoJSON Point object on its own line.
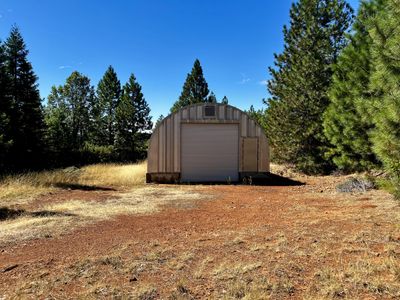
{"type": "Point", "coordinates": [26, 116]}
{"type": "Point", "coordinates": [159, 120]}
{"type": "Point", "coordinates": [385, 85]}
{"type": "Point", "coordinates": [300, 80]}
{"type": "Point", "coordinates": [5, 110]}
{"type": "Point", "coordinates": [347, 122]}
{"type": "Point", "coordinates": [212, 98]}
{"type": "Point", "coordinates": [68, 113]}
{"type": "Point", "coordinates": [133, 121]}
{"type": "Point", "coordinates": [258, 115]}
{"type": "Point", "coordinates": [225, 100]}
{"type": "Point", "coordinates": [108, 95]}
{"type": "Point", "coordinates": [195, 89]}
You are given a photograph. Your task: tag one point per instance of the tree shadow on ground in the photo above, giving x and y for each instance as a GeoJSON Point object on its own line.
{"type": "Point", "coordinates": [10, 214]}
{"type": "Point", "coordinates": [82, 187]}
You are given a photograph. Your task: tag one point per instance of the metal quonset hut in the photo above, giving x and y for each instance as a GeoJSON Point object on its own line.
{"type": "Point", "coordinates": [207, 143]}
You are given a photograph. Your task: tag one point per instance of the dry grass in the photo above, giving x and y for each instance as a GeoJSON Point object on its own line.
{"type": "Point", "coordinates": [18, 194]}
{"type": "Point", "coordinates": [64, 216]}
{"type": "Point", "coordinates": [227, 270]}
{"type": "Point", "coordinates": [139, 201]}
{"type": "Point", "coordinates": [114, 175]}
{"type": "Point", "coordinates": [26, 228]}
{"type": "Point", "coordinates": [19, 191]}
{"type": "Point", "coordinates": [379, 277]}
{"type": "Point", "coordinates": [284, 170]}
{"type": "Point", "coordinates": [22, 188]}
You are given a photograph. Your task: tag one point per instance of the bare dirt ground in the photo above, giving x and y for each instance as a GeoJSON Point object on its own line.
{"type": "Point", "coordinates": [229, 242]}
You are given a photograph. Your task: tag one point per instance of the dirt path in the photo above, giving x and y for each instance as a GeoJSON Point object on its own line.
{"type": "Point", "coordinates": [254, 241]}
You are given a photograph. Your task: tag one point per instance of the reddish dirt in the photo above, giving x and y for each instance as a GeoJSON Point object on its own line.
{"type": "Point", "coordinates": [299, 230]}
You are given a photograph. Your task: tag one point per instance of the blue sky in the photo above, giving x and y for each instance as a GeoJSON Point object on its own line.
{"type": "Point", "coordinates": [156, 40]}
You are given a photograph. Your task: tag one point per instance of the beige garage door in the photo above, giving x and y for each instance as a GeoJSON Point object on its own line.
{"type": "Point", "coordinates": [210, 152]}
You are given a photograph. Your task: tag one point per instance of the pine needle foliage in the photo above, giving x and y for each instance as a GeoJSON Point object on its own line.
{"type": "Point", "coordinates": [300, 80]}
{"type": "Point", "coordinates": [195, 90]}
{"type": "Point", "coordinates": [108, 97]}
{"type": "Point", "coordinates": [385, 84]}
{"type": "Point", "coordinates": [133, 122]}
{"type": "Point", "coordinates": [348, 121]}
{"type": "Point", "coordinates": [24, 110]}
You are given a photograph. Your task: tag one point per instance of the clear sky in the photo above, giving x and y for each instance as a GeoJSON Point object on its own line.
{"type": "Point", "coordinates": [156, 40]}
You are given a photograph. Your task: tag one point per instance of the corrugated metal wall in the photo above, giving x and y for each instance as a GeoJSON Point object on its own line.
{"type": "Point", "coordinates": [165, 142]}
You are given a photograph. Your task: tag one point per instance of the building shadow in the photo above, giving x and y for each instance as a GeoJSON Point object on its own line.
{"type": "Point", "coordinates": [256, 179]}
{"type": "Point", "coordinates": [270, 179]}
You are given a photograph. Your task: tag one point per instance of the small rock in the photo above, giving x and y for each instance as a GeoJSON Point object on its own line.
{"type": "Point", "coordinates": [133, 279]}
{"type": "Point", "coordinates": [353, 185]}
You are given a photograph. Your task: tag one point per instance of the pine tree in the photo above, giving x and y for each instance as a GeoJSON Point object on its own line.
{"type": "Point", "coordinates": [26, 116]}
{"type": "Point", "coordinates": [347, 122]}
{"type": "Point", "coordinates": [159, 120]}
{"type": "Point", "coordinates": [385, 85]}
{"type": "Point", "coordinates": [5, 110]}
{"type": "Point", "coordinates": [212, 98]}
{"type": "Point", "coordinates": [195, 89]}
{"type": "Point", "coordinates": [133, 122]}
{"type": "Point", "coordinates": [258, 115]}
{"type": "Point", "coordinates": [68, 113]}
{"type": "Point", "coordinates": [225, 100]}
{"type": "Point", "coordinates": [108, 95]}
{"type": "Point", "coordinates": [300, 80]}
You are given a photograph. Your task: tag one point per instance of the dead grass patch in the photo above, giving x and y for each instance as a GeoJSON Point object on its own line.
{"type": "Point", "coordinates": [139, 201]}
{"type": "Point", "coordinates": [26, 228]}
{"type": "Point", "coordinates": [228, 270]}
{"type": "Point", "coordinates": [74, 213]}
{"type": "Point", "coordinates": [379, 277]}
{"type": "Point", "coordinates": [258, 288]}
{"type": "Point", "coordinates": [115, 175]}
{"type": "Point", "coordinates": [181, 261]}
{"type": "Point", "coordinates": [20, 189]}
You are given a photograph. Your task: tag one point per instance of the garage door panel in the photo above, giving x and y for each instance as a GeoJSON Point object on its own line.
{"type": "Point", "coordinates": [209, 152]}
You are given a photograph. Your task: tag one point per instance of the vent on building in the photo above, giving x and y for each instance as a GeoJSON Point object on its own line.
{"type": "Point", "coordinates": [209, 111]}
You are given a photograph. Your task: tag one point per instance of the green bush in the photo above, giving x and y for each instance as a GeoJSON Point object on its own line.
{"type": "Point", "coordinates": [91, 153]}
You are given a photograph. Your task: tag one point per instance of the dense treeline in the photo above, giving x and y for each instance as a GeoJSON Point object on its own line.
{"type": "Point", "coordinates": [335, 89]}
{"type": "Point", "coordinates": [80, 124]}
